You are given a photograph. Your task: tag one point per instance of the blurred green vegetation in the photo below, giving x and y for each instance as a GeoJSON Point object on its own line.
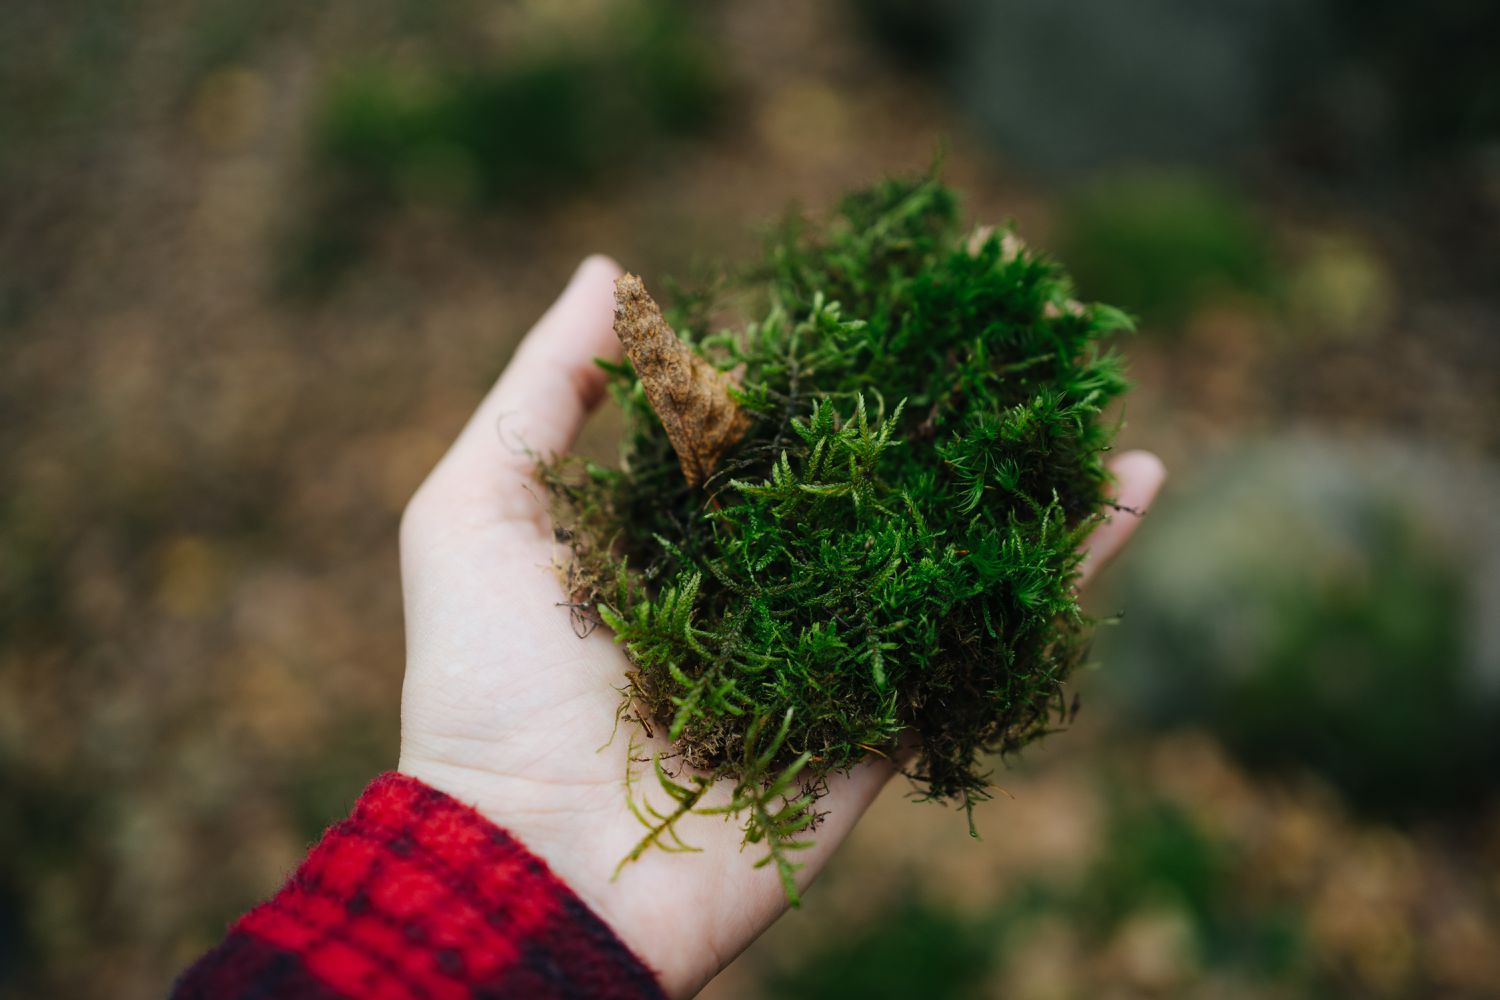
{"type": "Point", "coordinates": [1159, 858]}
{"type": "Point", "coordinates": [1362, 678]}
{"type": "Point", "coordinates": [59, 64]}
{"type": "Point", "coordinates": [1163, 889]}
{"type": "Point", "coordinates": [47, 824]}
{"type": "Point", "coordinates": [502, 133]}
{"type": "Point", "coordinates": [1164, 244]}
{"type": "Point", "coordinates": [227, 32]}
{"type": "Point", "coordinates": [55, 70]}
{"type": "Point", "coordinates": [919, 949]}
{"type": "Point", "coordinates": [1317, 612]}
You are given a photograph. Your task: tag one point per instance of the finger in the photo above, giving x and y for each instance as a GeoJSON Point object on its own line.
{"type": "Point", "coordinates": [1138, 477]}
{"type": "Point", "coordinates": [542, 398]}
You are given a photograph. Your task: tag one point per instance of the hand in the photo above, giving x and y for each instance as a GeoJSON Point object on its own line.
{"type": "Point", "coordinates": [504, 706]}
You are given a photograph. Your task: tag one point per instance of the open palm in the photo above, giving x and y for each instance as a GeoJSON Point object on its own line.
{"type": "Point", "coordinates": [504, 705]}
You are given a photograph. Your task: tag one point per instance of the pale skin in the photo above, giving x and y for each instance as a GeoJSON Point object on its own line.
{"type": "Point", "coordinates": [507, 709]}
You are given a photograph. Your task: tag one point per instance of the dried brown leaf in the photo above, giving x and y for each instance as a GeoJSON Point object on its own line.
{"type": "Point", "coordinates": [689, 395]}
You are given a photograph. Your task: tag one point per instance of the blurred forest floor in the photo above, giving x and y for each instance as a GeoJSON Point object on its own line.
{"type": "Point", "coordinates": [234, 338]}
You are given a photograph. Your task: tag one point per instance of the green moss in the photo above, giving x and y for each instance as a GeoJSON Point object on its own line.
{"type": "Point", "coordinates": [891, 548]}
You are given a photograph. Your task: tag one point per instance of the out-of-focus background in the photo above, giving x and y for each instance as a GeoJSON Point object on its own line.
{"type": "Point", "coordinates": [259, 259]}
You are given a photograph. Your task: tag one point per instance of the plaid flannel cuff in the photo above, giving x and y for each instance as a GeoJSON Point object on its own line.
{"type": "Point", "coordinates": [418, 897]}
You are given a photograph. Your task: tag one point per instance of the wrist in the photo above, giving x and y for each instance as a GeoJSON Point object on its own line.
{"type": "Point", "coordinates": [573, 831]}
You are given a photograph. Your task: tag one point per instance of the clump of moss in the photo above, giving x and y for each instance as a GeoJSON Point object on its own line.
{"type": "Point", "coordinates": [888, 552]}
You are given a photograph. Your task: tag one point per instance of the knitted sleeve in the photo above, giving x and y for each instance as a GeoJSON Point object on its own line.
{"type": "Point", "coordinates": [417, 897]}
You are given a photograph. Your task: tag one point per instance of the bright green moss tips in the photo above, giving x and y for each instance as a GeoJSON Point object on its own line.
{"type": "Point", "coordinates": [891, 548]}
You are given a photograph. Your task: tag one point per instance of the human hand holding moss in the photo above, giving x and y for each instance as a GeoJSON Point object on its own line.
{"type": "Point", "coordinates": [932, 560]}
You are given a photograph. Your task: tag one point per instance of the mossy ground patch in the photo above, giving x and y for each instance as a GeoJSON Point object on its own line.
{"type": "Point", "coordinates": [889, 549]}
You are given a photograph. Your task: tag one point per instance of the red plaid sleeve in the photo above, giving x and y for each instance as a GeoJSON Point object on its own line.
{"type": "Point", "coordinates": [417, 897]}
